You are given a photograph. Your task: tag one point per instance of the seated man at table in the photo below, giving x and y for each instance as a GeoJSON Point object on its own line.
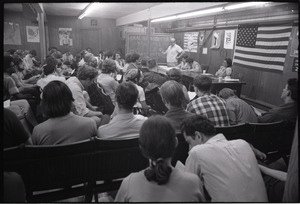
{"type": "Point", "coordinates": [287, 111]}
{"type": "Point", "coordinates": [151, 75]}
{"type": "Point", "coordinates": [208, 104]}
{"type": "Point", "coordinates": [192, 65]}
{"type": "Point", "coordinates": [228, 169]}
{"type": "Point", "coordinates": [124, 125]}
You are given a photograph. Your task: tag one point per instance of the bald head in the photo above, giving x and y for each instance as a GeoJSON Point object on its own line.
{"type": "Point", "coordinates": [172, 40]}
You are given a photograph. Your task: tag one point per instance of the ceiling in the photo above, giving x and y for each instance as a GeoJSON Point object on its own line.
{"type": "Point", "coordinates": [103, 10]}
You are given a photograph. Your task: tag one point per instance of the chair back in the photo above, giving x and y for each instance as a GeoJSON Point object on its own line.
{"type": "Point", "coordinates": [240, 131]}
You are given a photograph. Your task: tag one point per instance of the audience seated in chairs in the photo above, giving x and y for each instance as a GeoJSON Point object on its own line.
{"type": "Point", "coordinates": [176, 75]}
{"type": "Point", "coordinates": [134, 62]}
{"type": "Point", "coordinates": [124, 125]}
{"type": "Point", "coordinates": [151, 75]}
{"type": "Point", "coordinates": [63, 126]}
{"type": "Point", "coordinates": [173, 97]}
{"type": "Point", "coordinates": [107, 78]}
{"type": "Point", "coordinates": [160, 182]}
{"type": "Point", "coordinates": [215, 159]}
{"type": "Point", "coordinates": [238, 110]}
{"type": "Point", "coordinates": [287, 111]}
{"type": "Point", "coordinates": [208, 104]}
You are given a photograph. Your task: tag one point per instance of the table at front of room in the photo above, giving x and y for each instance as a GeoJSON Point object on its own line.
{"type": "Point", "coordinates": [187, 80]}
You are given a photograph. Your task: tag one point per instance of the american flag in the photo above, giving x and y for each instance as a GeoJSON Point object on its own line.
{"type": "Point", "coordinates": [262, 46]}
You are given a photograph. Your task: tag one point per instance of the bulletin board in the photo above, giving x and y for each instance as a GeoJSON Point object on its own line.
{"type": "Point", "coordinates": [138, 42]}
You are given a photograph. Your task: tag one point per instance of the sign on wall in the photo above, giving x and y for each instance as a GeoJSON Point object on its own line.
{"type": "Point", "coordinates": [229, 39]}
{"type": "Point", "coordinates": [295, 65]}
{"type": "Point", "coordinates": [295, 44]}
{"type": "Point", "coordinates": [201, 37]}
{"type": "Point", "coordinates": [216, 39]}
{"type": "Point", "coordinates": [12, 35]}
{"type": "Point", "coordinates": [190, 42]}
{"type": "Point", "coordinates": [65, 37]}
{"type": "Point", "coordinates": [33, 34]}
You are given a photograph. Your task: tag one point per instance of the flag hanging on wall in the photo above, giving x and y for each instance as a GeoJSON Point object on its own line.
{"type": "Point", "coordinates": [262, 47]}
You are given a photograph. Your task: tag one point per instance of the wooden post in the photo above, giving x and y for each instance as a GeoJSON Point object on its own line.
{"type": "Point", "coordinates": [40, 17]}
{"type": "Point", "coordinates": [149, 36]}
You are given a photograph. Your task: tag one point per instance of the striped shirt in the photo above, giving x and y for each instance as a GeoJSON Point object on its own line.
{"type": "Point", "coordinates": [211, 106]}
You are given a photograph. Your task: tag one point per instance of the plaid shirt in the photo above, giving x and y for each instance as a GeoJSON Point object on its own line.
{"type": "Point", "coordinates": [211, 106]}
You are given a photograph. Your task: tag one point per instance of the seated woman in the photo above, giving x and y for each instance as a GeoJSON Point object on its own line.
{"type": "Point", "coordinates": [225, 70]}
{"type": "Point", "coordinates": [192, 65]}
{"type": "Point", "coordinates": [62, 127]}
{"type": "Point", "coordinates": [182, 65]}
{"type": "Point", "coordinates": [160, 182]}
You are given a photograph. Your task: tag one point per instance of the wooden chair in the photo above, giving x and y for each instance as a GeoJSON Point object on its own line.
{"type": "Point", "coordinates": [45, 168]}
{"type": "Point", "coordinates": [240, 131]}
{"type": "Point", "coordinates": [113, 160]}
{"type": "Point", "coordinates": [182, 150]}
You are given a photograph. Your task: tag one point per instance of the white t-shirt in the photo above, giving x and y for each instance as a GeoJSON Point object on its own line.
{"type": "Point", "coordinates": [172, 53]}
{"type": "Point", "coordinates": [141, 96]}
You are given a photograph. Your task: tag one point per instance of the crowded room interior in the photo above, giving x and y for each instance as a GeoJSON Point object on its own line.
{"type": "Point", "coordinates": [150, 102]}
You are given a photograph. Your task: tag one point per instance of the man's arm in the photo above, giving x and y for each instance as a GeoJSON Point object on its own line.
{"type": "Point", "coordinates": [280, 175]}
{"type": "Point", "coordinates": [181, 54]}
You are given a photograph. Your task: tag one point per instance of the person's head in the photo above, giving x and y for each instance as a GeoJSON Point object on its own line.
{"type": "Point", "coordinates": [89, 50]}
{"type": "Point", "coordinates": [87, 75]}
{"type": "Point", "coordinates": [183, 59]}
{"type": "Point", "coordinates": [8, 64]}
{"type": "Point", "coordinates": [128, 58]}
{"type": "Point", "coordinates": [134, 75]}
{"type": "Point", "coordinates": [32, 53]}
{"type": "Point", "coordinates": [226, 93]}
{"type": "Point", "coordinates": [172, 94]}
{"type": "Point", "coordinates": [190, 60]}
{"type": "Point", "coordinates": [227, 62]}
{"type": "Point", "coordinates": [108, 67]}
{"type": "Point", "coordinates": [197, 129]}
{"type": "Point", "coordinates": [93, 62]}
{"type": "Point", "coordinates": [52, 48]}
{"type": "Point", "coordinates": [202, 83]}
{"type": "Point", "coordinates": [49, 69]}
{"type": "Point", "coordinates": [87, 57]}
{"type": "Point", "coordinates": [11, 51]}
{"type": "Point", "coordinates": [56, 99]}
{"type": "Point", "coordinates": [158, 143]}
{"type": "Point", "coordinates": [117, 56]}
{"type": "Point", "coordinates": [290, 91]}
{"type": "Point", "coordinates": [19, 64]}
{"type": "Point", "coordinates": [135, 57]}
{"type": "Point", "coordinates": [174, 74]}
{"type": "Point", "coordinates": [83, 53]}
{"type": "Point", "coordinates": [144, 62]}
{"type": "Point", "coordinates": [126, 95]}
{"type": "Point", "coordinates": [51, 61]}
{"type": "Point", "coordinates": [152, 63]}
{"type": "Point", "coordinates": [109, 55]}
{"type": "Point", "coordinates": [172, 41]}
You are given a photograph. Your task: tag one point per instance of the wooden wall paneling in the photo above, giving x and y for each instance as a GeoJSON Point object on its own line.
{"type": "Point", "coordinates": [91, 38]}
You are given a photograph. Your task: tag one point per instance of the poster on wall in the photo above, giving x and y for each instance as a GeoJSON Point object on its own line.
{"type": "Point", "coordinates": [295, 44]}
{"type": "Point", "coordinates": [65, 37]}
{"type": "Point", "coordinates": [190, 42]}
{"type": "Point", "coordinates": [33, 34]}
{"type": "Point", "coordinates": [12, 35]}
{"type": "Point", "coordinates": [229, 39]}
{"type": "Point", "coordinates": [216, 39]}
{"type": "Point", "coordinates": [295, 65]}
{"type": "Point", "coordinates": [201, 37]}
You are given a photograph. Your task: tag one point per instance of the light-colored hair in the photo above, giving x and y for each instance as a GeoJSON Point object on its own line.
{"type": "Point", "coordinates": [172, 93]}
{"type": "Point", "coordinates": [225, 93]}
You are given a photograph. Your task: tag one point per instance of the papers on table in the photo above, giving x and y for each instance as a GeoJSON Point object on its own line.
{"type": "Point", "coordinates": [236, 80]}
{"type": "Point", "coordinates": [6, 103]}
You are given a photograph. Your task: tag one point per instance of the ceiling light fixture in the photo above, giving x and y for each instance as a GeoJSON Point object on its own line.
{"type": "Point", "coordinates": [244, 5]}
{"type": "Point", "coordinates": [198, 13]}
{"type": "Point", "coordinates": [88, 9]}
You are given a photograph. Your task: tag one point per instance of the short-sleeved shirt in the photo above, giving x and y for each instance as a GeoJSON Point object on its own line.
{"type": "Point", "coordinates": [64, 130]}
{"type": "Point", "coordinates": [28, 62]}
{"type": "Point", "coordinates": [122, 126]}
{"type": "Point", "coordinates": [77, 91]}
{"type": "Point", "coordinates": [51, 77]}
{"type": "Point", "coordinates": [9, 88]}
{"type": "Point", "coordinates": [239, 111]}
{"type": "Point", "coordinates": [228, 170]}
{"type": "Point", "coordinates": [141, 96]}
{"type": "Point", "coordinates": [172, 53]}
{"type": "Point", "coordinates": [181, 187]}
{"type": "Point", "coordinates": [109, 85]}
{"type": "Point", "coordinates": [211, 106]}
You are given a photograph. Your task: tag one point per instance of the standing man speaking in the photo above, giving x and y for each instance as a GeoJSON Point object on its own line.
{"type": "Point", "coordinates": [172, 53]}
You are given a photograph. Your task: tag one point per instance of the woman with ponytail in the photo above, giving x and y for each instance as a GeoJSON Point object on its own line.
{"type": "Point", "coordinates": [160, 182]}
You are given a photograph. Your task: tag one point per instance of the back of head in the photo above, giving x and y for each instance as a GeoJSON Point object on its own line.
{"type": "Point", "coordinates": [198, 123]}
{"type": "Point", "coordinates": [87, 57]}
{"type": "Point", "coordinates": [134, 57]}
{"type": "Point", "coordinates": [174, 74]}
{"type": "Point", "coordinates": [203, 83]}
{"type": "Point", "coordinates": [293, 87]}
{"type": "Point", "coordinates": [108, 66]}
{"type": "Point", "coordinates": [11, 51]}
{"type": "Point", "coordinates": [225, 93]}
{"type": "Point", "coordinates": [57, 99]}
{"type": "Point", "coordinates": [49, 69]}
{"type": "Point", "coordinates": [144, 62]}
{"type": "Point", "coordinates": [172, 93]}
{"type": "Point", "coordinates": [7, 62]}
{"type": "Point", "coordinates": [229, 62]}
{"type": "Point", "coordinates": [33, 53]}
{"type": "Point", "coordinates": [87, 72]}
{"type": "Point", "coordinates": [128, 58]}
{"type": "Point", "coordinates": [132, 75]}
{"type": "Point", "coordinates": [17, 61]}
{"type": "Point", "coordinates": [189, 60]}
{"type": "Point", "coordinates": [152, 63]}
{"type": "Point", "coordinates": [126, 95]}
{"type": "Point", "coordinates": [109, 54]}
{"type": "Point", "coordinates": [51, 61]}
{"type": "Point", "coordinates": [158, 143]}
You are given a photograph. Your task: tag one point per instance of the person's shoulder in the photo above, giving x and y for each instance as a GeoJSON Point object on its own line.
{"type": "Point", "coordinates": [140, 118]}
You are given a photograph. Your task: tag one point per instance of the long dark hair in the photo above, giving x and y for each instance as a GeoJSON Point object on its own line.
{"type": "Point", "coordinates": [158, 143]}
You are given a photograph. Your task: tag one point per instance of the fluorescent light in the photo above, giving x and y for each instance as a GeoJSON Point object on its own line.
{"type": "Point", "coordinates": [164, 19]}
{"type": "Point", "coordinates": [243, 5]}
{"type": "Point", "coordinates": [197, 13]}
{"type": "Point", "coordinates": [89, 8]}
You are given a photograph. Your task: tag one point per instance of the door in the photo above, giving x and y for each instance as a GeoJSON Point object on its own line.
{"type": "Point", "coordinates": [91, 38]}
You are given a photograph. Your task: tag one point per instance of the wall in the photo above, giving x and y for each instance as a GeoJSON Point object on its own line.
{"type": "Point", "coordinates": [110, 35]}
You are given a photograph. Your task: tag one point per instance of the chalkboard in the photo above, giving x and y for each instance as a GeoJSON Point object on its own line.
{"type": "Point", "coordinates": [138, 42]}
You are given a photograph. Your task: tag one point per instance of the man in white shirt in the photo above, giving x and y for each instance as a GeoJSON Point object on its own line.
{"type": "Point", "coordinates": [228, 169]}
{"type": "Point", "coordinates": [172, 53]}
